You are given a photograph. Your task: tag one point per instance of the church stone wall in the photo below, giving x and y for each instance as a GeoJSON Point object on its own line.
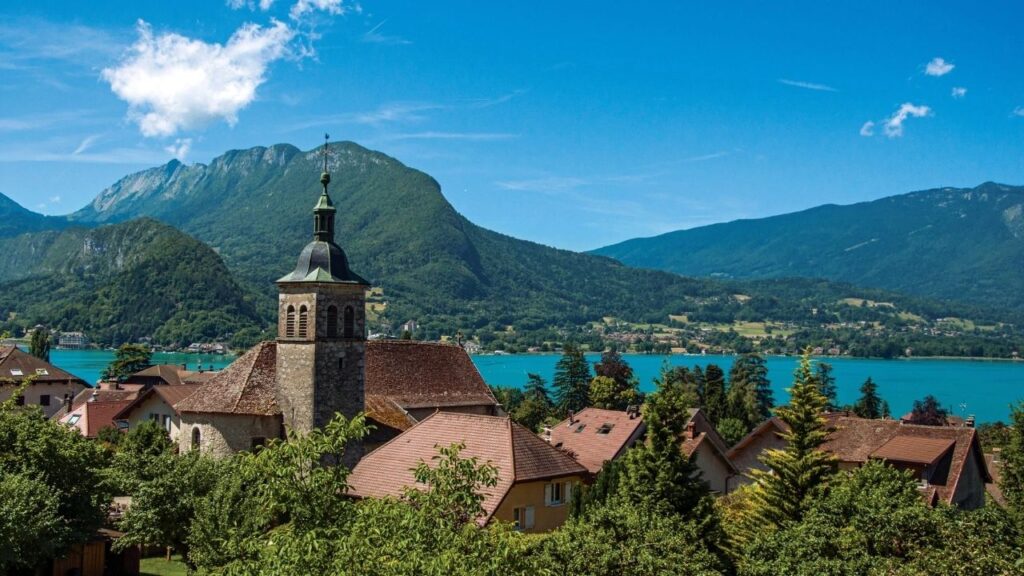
{"type": "Point", "coordinates": [221, 435]}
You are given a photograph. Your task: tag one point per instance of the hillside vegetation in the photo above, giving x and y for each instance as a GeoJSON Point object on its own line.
{"type": "Point", "coordinates": [964, 244]}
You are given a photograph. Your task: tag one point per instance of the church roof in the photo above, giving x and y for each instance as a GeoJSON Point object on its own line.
{"type": "Point", "coordinates": [247, 386]}
{"type": "Point", "coordinates": [424, 375]}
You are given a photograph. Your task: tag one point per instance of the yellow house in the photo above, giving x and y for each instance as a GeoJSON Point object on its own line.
{"type": "Point", "coordinates": [51, 387]}
{"type": "Point", "coordinates": [535, 479]}
{"type": "Point", "coordinates": [158, 404]}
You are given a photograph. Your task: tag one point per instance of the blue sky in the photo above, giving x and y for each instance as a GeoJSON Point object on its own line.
{"type": "Point", "coordinates": [574, 124]}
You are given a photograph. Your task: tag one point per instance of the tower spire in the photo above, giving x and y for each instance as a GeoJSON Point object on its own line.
{"type": "Point", "coordinates": [323, 212]}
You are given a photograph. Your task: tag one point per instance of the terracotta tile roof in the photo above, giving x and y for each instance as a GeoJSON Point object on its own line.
{"type": "Point", "coordinates": [171, 395]}
{"type": "Point", "coordinates": [94, 416]}
{"type": "Point", "coordinates": [518, 454]}
{"type": "Point", "coordinates": [199, 377]}
{"type": "Point", "coordinates": [16, 365]}
{"type": "Point", "coordinates": [857, 439]}
{"type": "Point", "coordinates": [915, 450]}
{"type": "Point", "coordinates": [245, 387]}
{"type": "Point", "coordinates": [424, 375]}
{"type": "Point", "coordinates": [592, 450]}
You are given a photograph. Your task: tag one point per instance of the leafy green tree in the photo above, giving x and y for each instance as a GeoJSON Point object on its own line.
{"type": "Point", "coordinates": [604, 487]}
{"type": "Point", "coordinates": [1011, 479]}
{"type": "Point", "coordinates": [572, 380]}
{"type": "Point", "coordinates": [52, 493]}
{"type": "Point", "coordinates": [714, 403]}
{"type": "Point", "coordinates": [622, 538]}
{"type": "Point", "coordinates": [869, 405]}
{"type": "Point", "coordinates": [129, 359]}
{"type": "Point", "coordinates": [732, 430]}
{"type": "Point", "coordinates": [136, 452]}
{"type": "Point", "coordinates": [750, 394]}
{"type": "Point", "coordinates": [928, 412]}
{"type": "Point", "coordinates": [796, 473]}
{"type": "Point", "coordinates": [509, 397]}
{"type": "Point", "coordinates": [532, 413]}
{"type": "Point", "coordinates": [39, 345]}
{"type": "Point", "coordinates": [827, 383]}
{"type": "Point", "coordinates": [607, 393]}
{"type": "Point", "coordinates": [454, 486]}
{"type": "Point", "coordinates": [676, 394]}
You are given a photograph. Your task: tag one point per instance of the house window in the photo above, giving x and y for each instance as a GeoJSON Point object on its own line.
{"type": "Point", "coordinates": [554, 494]}
{"type": "Point", "coordinates": [332, 321]}
{"type": "Point", "coordinates": [166, 422]}
{"type": "Point", "coordinates": [523, 518]}
{"type": "Point", "coordinates": [195, 438]}
{"type": "Point", "coordinates": [74, 419]}
{"type": "Point", "coordinates": [605, 428]}
{"type": "Point", "coordinates": [17, 372]}
{"type": "Point", "coordinates": [44, 400]}
{"type": "Point", "coordinates": [289, 322]}
{"type": "Point", "coordinates": [42, 372]}
{"type": "Point", "coordinates": [350, 322]}
{"type": "Point", "coordinates": [303, 321]}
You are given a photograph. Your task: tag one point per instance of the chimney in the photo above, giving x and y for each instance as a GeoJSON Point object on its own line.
{"type": "Point", "coordinates": [572, 418]}
{"type": "Point", "coordinates": [691, 430]}
{"type": "Point", "coordinates": [547, 434]}
{"type": "Point", "coordinates": [67, 402]}
{"type": "Point", "coordinates": [969, 422]}
{"type": "Point", "coordinates": [95, 394]}
{"type": "Point", "coordinates": [632, 411]}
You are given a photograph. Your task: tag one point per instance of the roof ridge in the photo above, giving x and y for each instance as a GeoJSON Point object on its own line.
{"type": "Point", "coordinates": [512, 447]}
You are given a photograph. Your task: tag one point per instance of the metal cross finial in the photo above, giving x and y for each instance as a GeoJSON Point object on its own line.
{"type": "Point", "coordinates": [327, 137]}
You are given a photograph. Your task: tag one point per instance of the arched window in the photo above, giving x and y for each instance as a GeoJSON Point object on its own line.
{"type": "Point", "coordinates": [303, 321]}
{"type": "Point", "coordinates": [350, 322]}
{"type": "Point", "coordinates": [332, 321]}
{"type": "Point", "coordinates": [289, 322]}
{"type": "Point", "coordinates": [195, 438]}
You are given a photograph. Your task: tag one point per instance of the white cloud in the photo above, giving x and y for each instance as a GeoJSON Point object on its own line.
{"type": "Point", "coordinates": [959, 92]}
{"type": "Point", "coordinates": [868, 129]}
{"type": "Point", "coordinates": [1018, 111]}
{"type": "Point", "coordinates": [303, 7]}
{"type": "Point", "coordinates": [172, 82]}
{"type": "Point", "coordinates": [894, 124]}
{"type": "Point", "coordinates": [263, 5]}
{"type": "Point", "coordinates": [86, 144]}
{"type": "Point", "coordinates": [180, 148]}
{"type": "Point", "coordinates": [938, 67]}
{"type": "Point", "coordinates": [807, 85]}
{"type": "Point", "coordinates": [546, 184]}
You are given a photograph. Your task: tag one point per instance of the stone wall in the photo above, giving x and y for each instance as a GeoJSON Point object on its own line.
{"type": "Point", "coordinates": [221, 435]}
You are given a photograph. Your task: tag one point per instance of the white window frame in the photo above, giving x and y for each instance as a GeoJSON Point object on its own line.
{"type": "Point", "coordinates": [555, 494]}
{"type": "Point", "coordinates": [524, 517]}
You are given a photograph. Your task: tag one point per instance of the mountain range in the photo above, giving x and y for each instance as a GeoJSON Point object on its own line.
{"type": "Point", "coordinates": [964, 244]}
{"type": "Point", "coordinates": [208, 240]}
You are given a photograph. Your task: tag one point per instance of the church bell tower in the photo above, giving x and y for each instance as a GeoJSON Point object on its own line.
{"type": "Point", "coordinates": [321, 331]}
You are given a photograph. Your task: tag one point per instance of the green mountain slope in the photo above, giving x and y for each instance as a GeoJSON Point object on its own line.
{"type": "Point", "coordinates": [123, 282]}
{"type": "Point", "coordinates": [14, 219]}
{"type": "Point", "coordinates": [954, 243]}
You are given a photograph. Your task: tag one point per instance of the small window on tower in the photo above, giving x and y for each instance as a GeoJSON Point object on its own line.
{"type": "Point", "coordinates": [350, 322]}
{"type": "Point", "coordinates": [341, 364]}
{"type": "Point", "coordinates": [195, 438]}
{"type": "Point", "coordinates": [303, 321]}
{"type": "Point", "coordinates": [289, 322]}
{"type": "Point", "coordinates": [332, 321]}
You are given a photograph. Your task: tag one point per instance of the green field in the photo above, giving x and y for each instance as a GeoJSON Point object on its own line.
{"type": "Point", "coordinates": [160, 567]}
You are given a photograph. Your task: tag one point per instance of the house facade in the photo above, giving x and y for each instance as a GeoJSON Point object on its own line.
{"type": "Point", "coordinates": [709, 452]}
{"type": "Point", "coordinates": [50, 385]}
{"type": "Point", "coordinates": [159, 404]}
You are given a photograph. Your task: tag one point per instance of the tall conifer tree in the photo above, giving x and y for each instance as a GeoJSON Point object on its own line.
{"type": "Point", "coordinates": [870, 404]}
{"type": "Point", "coordinates": [572, 380]}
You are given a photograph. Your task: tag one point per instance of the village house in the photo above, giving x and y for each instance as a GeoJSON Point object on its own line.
{"type": "Point", "coordinates": [745, 454]}
{"type": "Point", "coordinates": [156, 403]}
{"type": "Point", "coordinates": [709, 452]}
{"type": "Point", "coordinates": [595, 436]}
{"type": "Point", "coordinates": [50, 385]}
{"type": "Point", "coordinates": [947, 461]}
{"type": "Point", "coordinates": [535, 480]}
{"type": "Point", "coordinates": [94, 409]}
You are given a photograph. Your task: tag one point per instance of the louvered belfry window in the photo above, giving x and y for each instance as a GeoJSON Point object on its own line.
{"type": "Point", "coordinates": [303, 321]}
{"type": "Point", "coordinates": [332, 321]}
{"type": "Point", "coordinates": [289, 322]}
{"type": "Point", "coordinates": [350, 322]}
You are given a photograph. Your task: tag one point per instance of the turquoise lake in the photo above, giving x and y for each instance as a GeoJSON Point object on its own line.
{"type": "Point", "coordinates": [985, 387]}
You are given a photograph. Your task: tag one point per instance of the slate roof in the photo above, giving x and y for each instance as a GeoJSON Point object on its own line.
{"type": "Point", "coordinates": [518, 454]}
{"type": "Point", "coordinates": [424, 375]}
{"type": "Point", "coordinates": [322, 261]}
{"type": "Point", "coordinates": [245, 387]}
{"type": "Point", "coordinates": [13, 360]}
{"type": "Point", "coordinates": [589, 448]}
{"type": "Point", "coordinates": [858, 439]}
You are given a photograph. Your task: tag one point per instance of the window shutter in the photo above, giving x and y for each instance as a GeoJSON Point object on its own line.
{"type": "Point", "coordinates": [547, 494]}
{"type": "Point", "coordinates": [529, 517]}
{"type": "Point", "coordinates": [568, 492]}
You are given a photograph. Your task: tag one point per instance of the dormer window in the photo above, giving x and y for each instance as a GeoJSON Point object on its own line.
{"type": "Point", "coordinates": [17, 372]}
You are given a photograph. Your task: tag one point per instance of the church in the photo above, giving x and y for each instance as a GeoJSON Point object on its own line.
{"type": "Point", "coordinates": [321, 364]}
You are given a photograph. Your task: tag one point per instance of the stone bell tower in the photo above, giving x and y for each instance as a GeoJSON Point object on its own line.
{"type": "Point", "coordinates": [321, 331]}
